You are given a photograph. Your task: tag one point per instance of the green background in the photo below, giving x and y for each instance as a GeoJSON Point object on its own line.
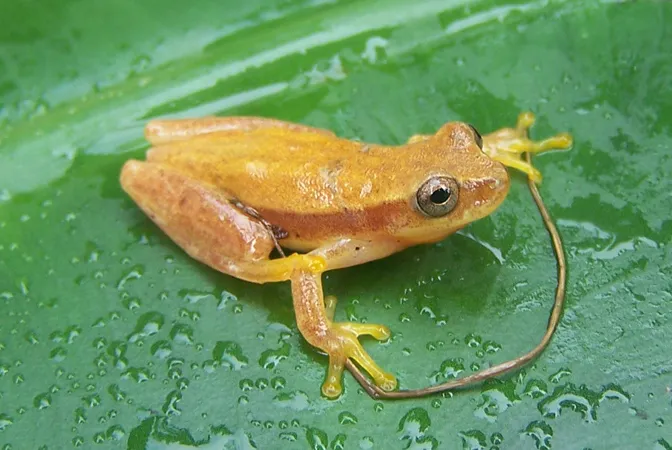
{"type": "Point", "coordinates": [110, 337]}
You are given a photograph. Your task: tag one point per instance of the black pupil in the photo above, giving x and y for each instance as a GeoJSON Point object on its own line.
{"type": "Point", "coordinates": [441, 195]}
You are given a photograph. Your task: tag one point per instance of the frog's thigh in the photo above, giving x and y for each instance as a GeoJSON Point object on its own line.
{"type": "Point", "coordinates": [168, 130]}
{"type": "Point", "coordinates": [202, 221]}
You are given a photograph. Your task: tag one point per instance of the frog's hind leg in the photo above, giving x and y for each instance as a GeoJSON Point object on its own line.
{"type": "Point", "coordinates": [208, 225]}
{"type": "Point", "coordinates": [161, 131]}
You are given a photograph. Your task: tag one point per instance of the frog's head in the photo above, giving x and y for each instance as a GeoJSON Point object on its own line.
{"type": "Point", "coordinates": [454, 185]}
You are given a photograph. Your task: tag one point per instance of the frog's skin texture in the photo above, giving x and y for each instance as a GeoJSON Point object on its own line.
{"type": "Point", "coordinates": [228, 190]}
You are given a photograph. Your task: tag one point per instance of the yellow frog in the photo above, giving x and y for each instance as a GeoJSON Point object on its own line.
{"type": "Point", "coordinates": [229, 190]}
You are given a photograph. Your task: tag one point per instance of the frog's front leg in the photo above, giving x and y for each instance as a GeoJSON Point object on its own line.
{"type": "Point", "coordinates": [507, 145]}
{"type": "Point", "coordinates": [314, 313]}
{"type": "Point", "coordinates": [338, 339]}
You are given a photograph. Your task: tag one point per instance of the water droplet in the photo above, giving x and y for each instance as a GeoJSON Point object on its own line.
{"type": "Point", "coordinates": [535, 388]}
{"type": "Point", "coordinates": [317, 439]}
{"type": "Point", "coordinates": [491, 347]}
{"type": "Point", "coordinates": [614, 392]}
{"type": "Point", "coordinates": [297, 401]}
{"type": "Point", "coordinates": [147, 324]}
{"type": "Point", "coordinates": [161, 349]}
{"type": "Point", "coordinates": [246, 385]}
{"type": "Point", "coordinates": [541, 432]}
{"type": "Point", "coordinates": [450, 368]}
{"type": "Point", "coordinates": [5, 421]}
{"type": "Point", "coordinates": [339, 442]}
{"type": "Point", "coordinates": [272, 357]}
{"type": "Point", "coordinates": [182, 384]}
{"type": "Point", "coordinates": [71, 333]}
{"type": "Point", "coordinates": [347, 418]}
{"type": "Point", "coordinates": [182, 334]}
{"type": "Point", "coordinates": [288, 436]}
{"type": "Point", "coordinates": [473, 340]}
{"type": "Point", "coordinates": [261, 383]}
{"type": "Point", "coordinates": [496, 438]}
{"type": "Point", "coordinates": [413, 425]}
{"type": "Point", "coordinates": [99, 343]}
{"type": "Point", "coordinates": [91, 400]}
{"type": "Point", "coordinates": [58, 354]}
{"type": "Point", "coordinates": [229, 354]}
{"type": "Point", "coordinates": [560, 374]}
{"type": "Point", "coordinates": [473, 440]}
{"type": "Point", "coordinates": [99, 438]}
{"type": "Point", "coordinates": [80, 416]}
{"type": "Point", "coordinates": [581, 400]}
{"type": "Point", "coordinates": [132, 303]}
{"type": "Point", "coordinates": [170, 407]}
{"type": "Point", "coordinates": [660, 422]}
{"type": "Point", "coordinates": [497, 396]}
{"type": "Point", "coordinates": [662, 444]}
{"type": "Point", "coordinates": [366, 443]}
{"type": "Point", "coordinates": [403, 318]}
{"type": "Point", "coordinates": [278, 383]}
{"type": "Point", "coordinates": [225, 298]}
{"type": "Point", "coordinates": [427, 311]}
{"type": "Point", "coordinates": [42, 401]}
{"type": "Point", "coordinates": [117, 349]}
{"type": "Point", "coordinates": [31, 338]}
{"type": "Point", "coordinates": [378, 407]}
{"type": "Point", "coordinates": [116, 433]}
{"type": "Point", "coordinates": [134, 274]}
{"type": "Point", "coordinates": [174, 373]}
{"type": "Point", "coordinates": [116, 393]}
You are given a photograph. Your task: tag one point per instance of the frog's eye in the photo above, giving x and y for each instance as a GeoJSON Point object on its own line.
{"type": "Point", "coordinates": [437, 196]}
{"type": "Point", "coordinates": [477, 136]}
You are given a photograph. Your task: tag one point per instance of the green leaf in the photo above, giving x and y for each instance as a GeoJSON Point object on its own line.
{"type": "Point", "coordinates": [111, 335]}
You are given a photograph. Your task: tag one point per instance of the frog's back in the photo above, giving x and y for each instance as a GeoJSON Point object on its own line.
{"type": "Point", "coordinates": [265, 169]}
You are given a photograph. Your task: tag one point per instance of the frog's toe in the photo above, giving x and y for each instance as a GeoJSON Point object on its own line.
{"type": "Point", "coordinates": [525, 121]}
{"type": "Point", "coordinates": [331, 387]}
{"type": "Point", "coordinates": [344, 345]}
{"type": "Point", "coordinates": [380, 332]}
{"type": "Point", "coordinates": [559, 141]}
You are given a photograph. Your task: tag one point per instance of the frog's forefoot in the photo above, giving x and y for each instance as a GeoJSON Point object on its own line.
{"type": "Point", "coordinates": [342, 343]}
{"type": "Point", "coordinates": [507, 145]}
